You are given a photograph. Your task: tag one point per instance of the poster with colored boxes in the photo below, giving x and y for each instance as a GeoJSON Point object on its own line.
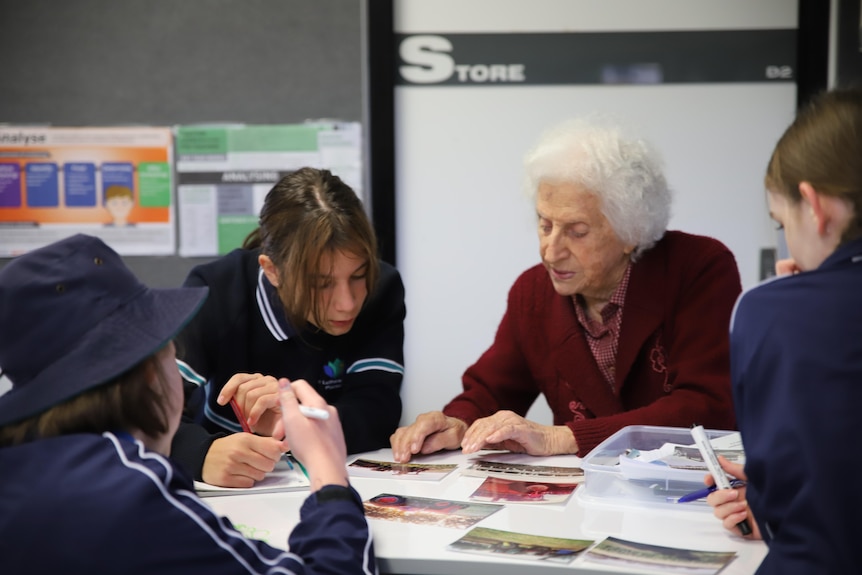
{"type": "Point", "coordinates": [112, 182]}
{"type": "Point", "coordinates": [225, 171]}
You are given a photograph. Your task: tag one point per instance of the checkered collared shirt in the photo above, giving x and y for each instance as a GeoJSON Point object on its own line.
{"type": "Point", "coordinates": [604, 336]}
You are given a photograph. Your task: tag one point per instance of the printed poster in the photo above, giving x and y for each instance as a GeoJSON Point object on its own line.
{"type": "Point", "coordinates": [110, 182]}
{"type": "Point", "coordinates": [225, 171]}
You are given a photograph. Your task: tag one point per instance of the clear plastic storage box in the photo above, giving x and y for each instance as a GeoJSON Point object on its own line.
{"type": "Point", "coordinates": [651, 465]}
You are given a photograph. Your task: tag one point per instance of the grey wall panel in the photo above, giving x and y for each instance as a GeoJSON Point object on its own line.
{"type": "Point", "coordinates": [166, 62]}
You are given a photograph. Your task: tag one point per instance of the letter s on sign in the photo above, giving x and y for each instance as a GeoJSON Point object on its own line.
{"type": "Point", "coordinates": [427, 53]}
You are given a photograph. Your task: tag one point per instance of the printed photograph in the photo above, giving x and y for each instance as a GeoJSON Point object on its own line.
{"type": "Point", "coordinates": [411, 470]}
{"type": "Point", "coordinates": [427, 511]}
{"type": "Point", "coordinates": [666, 559]}
{"type": "Point", "coordinates": [689, 457]}
{"type": "Point", "coordinates": [500, 466]}
{"type": "Point", "coordinates": [495, 489]}
{"type": "Point", "coordinates": [486, 541]}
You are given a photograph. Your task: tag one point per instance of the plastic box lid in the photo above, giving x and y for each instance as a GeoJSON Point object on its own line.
{"type": "Point", "coordinates": [618, 470]}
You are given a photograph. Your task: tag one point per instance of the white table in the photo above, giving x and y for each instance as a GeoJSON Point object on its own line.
{"type": "Point", "coordinates": [404, 548]}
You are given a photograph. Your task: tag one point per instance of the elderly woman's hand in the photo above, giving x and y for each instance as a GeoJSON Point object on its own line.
{"type": "Point", "coordinates": [432, 431]}
{"type": "Point", "coordinates": [508, 430]}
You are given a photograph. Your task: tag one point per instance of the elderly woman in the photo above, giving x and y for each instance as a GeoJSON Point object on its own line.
{"type": "Point", "coordinates": [623, 322]}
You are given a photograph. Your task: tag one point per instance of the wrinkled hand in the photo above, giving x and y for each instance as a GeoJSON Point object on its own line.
{"type": "Point", "coordinates": [257, 397]}
{"type": "Point", "coordinates": [318, 444]}
{"type": "Point", "coordinates": [508, 430]}
{"type": "Point", "coordinates": [431, 432]}
{"type": "Point", "coordinates": [240, 459]}
{"type": "Point", "coordinates": [730, 505]}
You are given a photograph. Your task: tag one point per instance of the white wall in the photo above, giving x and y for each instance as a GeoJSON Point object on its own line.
{"type": "Point", "coordinates": [421, 16]}
{"type": "Point", "coordinates": [465, 230]}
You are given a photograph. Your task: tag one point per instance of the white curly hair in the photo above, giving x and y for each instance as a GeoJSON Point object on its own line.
{"type": "Point", "coordinates": [624, 171]}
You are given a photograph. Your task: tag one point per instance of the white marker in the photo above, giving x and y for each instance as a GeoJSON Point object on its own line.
{"type": "Point", "coordinates": [309, 412]}
{"type": "Point", "coordinates": [313, 412]}
{"type": "Point", "coordinates": [721, 479]}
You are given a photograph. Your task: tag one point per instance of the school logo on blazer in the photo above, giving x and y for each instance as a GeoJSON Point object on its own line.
{"type": "Point", "coordinates": [334, 369]}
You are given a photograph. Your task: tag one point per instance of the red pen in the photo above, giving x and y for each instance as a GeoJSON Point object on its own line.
{"type": "Point", "coordinates": [236, 411]}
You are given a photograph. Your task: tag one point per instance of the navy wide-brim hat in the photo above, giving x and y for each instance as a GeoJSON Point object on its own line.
{"type": "Point", "coordinates": [73, 317]}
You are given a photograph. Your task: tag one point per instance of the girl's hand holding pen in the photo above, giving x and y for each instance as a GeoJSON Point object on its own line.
{"type": "Point", "coordinates": [256, 398]}
{"type": "Point", "coordinates": [730, 505]}
{"type": "Point", "coordinates": [240, 459]}
{"type": "Point", "coordinates": [316, 442]}
{"type": "Point", "coordinates": [703, 493]}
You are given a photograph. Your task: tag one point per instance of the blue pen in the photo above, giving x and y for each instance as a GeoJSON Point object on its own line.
{"type": "Point", "coordinates": [701, 493]}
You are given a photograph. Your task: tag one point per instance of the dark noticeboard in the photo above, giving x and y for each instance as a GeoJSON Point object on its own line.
{"type": "Point", "coordinates": [168, 62]}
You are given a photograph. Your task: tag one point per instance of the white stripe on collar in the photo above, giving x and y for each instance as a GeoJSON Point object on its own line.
{"type": "Point", "coordinates": [266, 311]}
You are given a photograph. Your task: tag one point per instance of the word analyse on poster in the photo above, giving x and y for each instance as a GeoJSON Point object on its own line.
{"type": "Point", "coordinates": [22, 139]}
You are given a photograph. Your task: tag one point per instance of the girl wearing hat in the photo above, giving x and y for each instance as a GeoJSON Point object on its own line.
{"type": "Point", "coordinates": [307, 299]}
{"type": "Point", "coordinates": [86, 429]}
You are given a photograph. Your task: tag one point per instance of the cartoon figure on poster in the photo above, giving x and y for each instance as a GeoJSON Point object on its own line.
{"type": "Point", "coordinates": [119, 202]}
